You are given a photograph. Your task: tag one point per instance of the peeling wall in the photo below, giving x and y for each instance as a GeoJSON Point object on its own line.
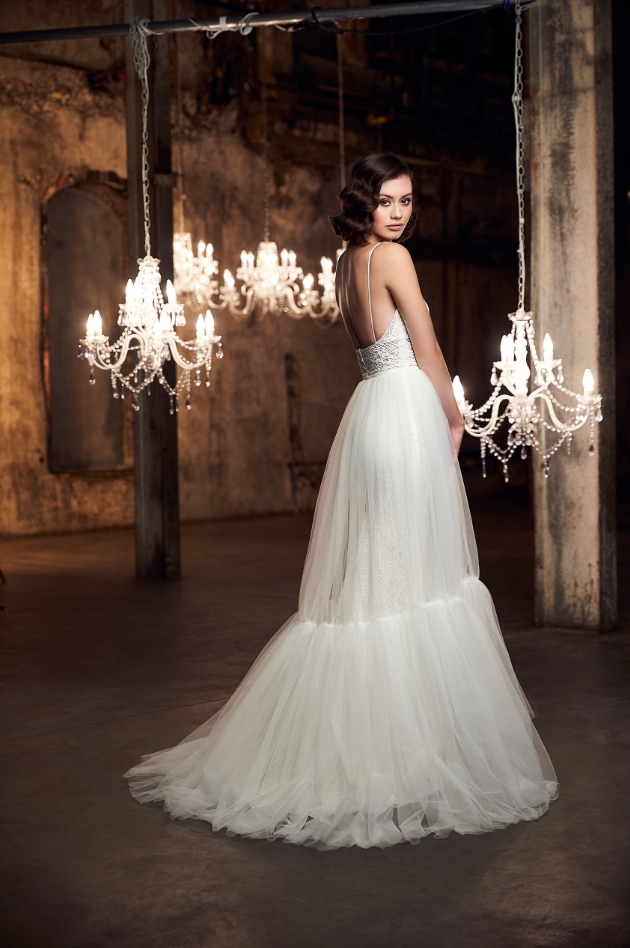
{"type": "Point", "coordinates": [257, 440]}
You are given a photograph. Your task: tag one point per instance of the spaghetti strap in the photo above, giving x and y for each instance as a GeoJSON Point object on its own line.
{"type": "Point", "coordinates": [369, 294]}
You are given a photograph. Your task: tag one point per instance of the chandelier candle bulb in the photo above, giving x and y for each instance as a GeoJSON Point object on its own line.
{"type": "Point", "coordinates": [309, 280]}
{"type": "Point", "coordinates": [458, 392]}
{"type": "Point", "coordinates": [547, 349]}
{"type": "Point", "coordinates": [209, 324]}
{"type": "Point", "coordinates": [228, 279]}
{"type": "Point", "coordinates": [589, 383]}
{"type": "Point", "coordinates": [201, 327]}
{"type": "Point", "coordinates": [284, 257]}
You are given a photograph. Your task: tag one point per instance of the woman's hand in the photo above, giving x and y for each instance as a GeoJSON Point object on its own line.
{"type": "Point", "coordinates": [457, 433]}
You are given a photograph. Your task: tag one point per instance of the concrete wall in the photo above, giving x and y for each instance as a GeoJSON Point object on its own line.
{"type": "Point", "coordinates": [62, 111]}
{"type": "Point", "coordinates": [51, 124]}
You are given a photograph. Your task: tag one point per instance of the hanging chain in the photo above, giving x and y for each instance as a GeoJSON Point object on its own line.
{"type": "Point", "coordinates": [517, 102]}
{"type": "Point", "coordinates": [142, 60]}
{"type": "Point", "coordinates": [265, 159]}
{"type": "Point", "coordinates": [342, 133]}
{"type": "Point", "coordinates": [180, 145]}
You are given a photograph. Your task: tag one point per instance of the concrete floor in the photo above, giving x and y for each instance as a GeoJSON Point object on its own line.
{"type": "Point", "coordinates": [98, 669]}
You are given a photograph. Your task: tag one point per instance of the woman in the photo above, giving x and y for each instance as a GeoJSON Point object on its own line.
{"type": "Point", "coordinates": [386, 708]}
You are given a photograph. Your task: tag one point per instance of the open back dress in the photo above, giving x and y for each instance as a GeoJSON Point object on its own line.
{"type": "Point", "coordinates": [386, 708]}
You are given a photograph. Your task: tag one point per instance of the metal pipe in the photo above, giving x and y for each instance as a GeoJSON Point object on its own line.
{"type": "Point", "coordinates": [294, 18]}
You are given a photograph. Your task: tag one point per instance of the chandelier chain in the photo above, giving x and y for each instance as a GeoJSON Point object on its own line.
{"type": "Point", "coordinates": [517, 101]}
{"type": "Point", "coordinates": [342, 131]}
{"type": "Point", "coordinates": [139, 35]}
{"type": "Point", "coordinates": [265, 119]}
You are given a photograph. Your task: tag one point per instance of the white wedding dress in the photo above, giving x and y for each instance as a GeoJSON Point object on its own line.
{"type": "Point", "coordinates": [386, 708]}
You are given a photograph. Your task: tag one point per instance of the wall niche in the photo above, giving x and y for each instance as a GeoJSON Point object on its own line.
{"type": "Point", "coordinates": [84, 263]}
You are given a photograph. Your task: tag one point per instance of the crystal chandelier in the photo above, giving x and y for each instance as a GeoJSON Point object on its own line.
{"type": "Point", "coordinates": [193, 275]}
{"type": "Point", "coordinates": [270, 282]}
{"type": "Point", "coordinates": [149, 324]}
{"type": "Point", "coordinates": [527, 411]}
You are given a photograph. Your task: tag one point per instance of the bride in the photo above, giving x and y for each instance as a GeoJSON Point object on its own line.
{"type": "Point", "coordinates": [386, 708]}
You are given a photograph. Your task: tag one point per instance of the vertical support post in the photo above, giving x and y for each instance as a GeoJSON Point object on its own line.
{"type": "Point", "coordinates": [155, 430]}
{"type": "Point", "coordinates": [572, 297]}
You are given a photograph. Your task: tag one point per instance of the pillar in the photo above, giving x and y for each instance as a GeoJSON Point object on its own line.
{"type": "Point", "coordinates": [155, 429]}
{"type": "Point", "coordinates": [572, 298]}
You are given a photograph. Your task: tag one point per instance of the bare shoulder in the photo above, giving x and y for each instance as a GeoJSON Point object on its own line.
{"type": "Point", "coordinates": [394, 264]}
{"type": "Point", "coordinates": [392, 254]}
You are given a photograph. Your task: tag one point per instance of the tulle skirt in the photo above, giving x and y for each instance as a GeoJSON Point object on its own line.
{"type": "Point", "coordinates": [386, 708]}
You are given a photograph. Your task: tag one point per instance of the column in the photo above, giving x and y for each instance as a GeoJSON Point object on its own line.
{"type": "Point", "coordinates": [155, 429]}
{"type": "Point", "coordinates": [572, 287]}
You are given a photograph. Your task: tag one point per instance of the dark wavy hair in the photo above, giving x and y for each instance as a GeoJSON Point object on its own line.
{"type": "Point", "coordinates": [359, 199]}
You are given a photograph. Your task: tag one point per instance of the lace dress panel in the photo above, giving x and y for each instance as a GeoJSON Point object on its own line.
{"type": "Point", "coordinates": [392, 351]}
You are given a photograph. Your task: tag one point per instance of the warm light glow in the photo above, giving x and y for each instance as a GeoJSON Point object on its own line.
{"type": "Point", "coordinates": [209, 324]}
{"type": "Point", "coordinates": [547, 349]}
{"type": "Point", "coordinates": [201, 327]}
{"type": "Point", "coordinates": [228, 279]}
{"type": "Point", "coordinates": [171, 295]}
{"type": "Point", "coordinates": [200, 248]}
{"type": "Point", "coordinates": [458, 391]}
{"type": "Point", "coordinates": [309, 279]}
{"type": "Point", "coordinates": [98, 324]}
{"type": "Point", "coordinates": [507, 348]}
{"type": "Point", "coordinates": [89, 332]}
{"type": "Point", "coordinates": [588, 382]}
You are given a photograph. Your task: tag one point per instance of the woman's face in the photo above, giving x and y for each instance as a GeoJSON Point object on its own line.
{"type": "Point", "coordinates": [394, 208]}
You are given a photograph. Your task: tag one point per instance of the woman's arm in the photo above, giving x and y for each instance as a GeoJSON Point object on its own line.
{"type": "Point", "coordinates": [393, 265]}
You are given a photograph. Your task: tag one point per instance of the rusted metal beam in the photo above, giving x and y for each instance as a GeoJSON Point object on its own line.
{"type": "Point", "coordinates": [250, 20]}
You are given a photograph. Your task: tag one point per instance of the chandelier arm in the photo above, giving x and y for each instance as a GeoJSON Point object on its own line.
{"type": "Point", "coordinates": [298, 312]}
{"type": "Point", "coordinates": [184, 363]}
{"type": "Point", "coordinates": [492, 423]}
{"type": "Point", "coordinates": [561, 426]}
{"type": "Point", "coordinates": [125, 342]}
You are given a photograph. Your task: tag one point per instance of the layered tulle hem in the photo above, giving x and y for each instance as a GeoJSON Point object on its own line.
{"type": "Point", "coordinates": [380, 825]}
{"type": "Point", "coordinates": [368, 734]}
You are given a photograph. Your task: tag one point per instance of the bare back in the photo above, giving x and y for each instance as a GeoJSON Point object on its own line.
{"type": "Point", "coordinates": [356, 294]}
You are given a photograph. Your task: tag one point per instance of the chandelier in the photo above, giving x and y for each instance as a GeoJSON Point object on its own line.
{"type": "Point", "coordinates": [527, 411]}
{"type": "Point", "coordinates": [149, 324]}
{"type": "Point", "coordinates": [193, 275]}
{"type": "Point", "coordinates": [272, 282]}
